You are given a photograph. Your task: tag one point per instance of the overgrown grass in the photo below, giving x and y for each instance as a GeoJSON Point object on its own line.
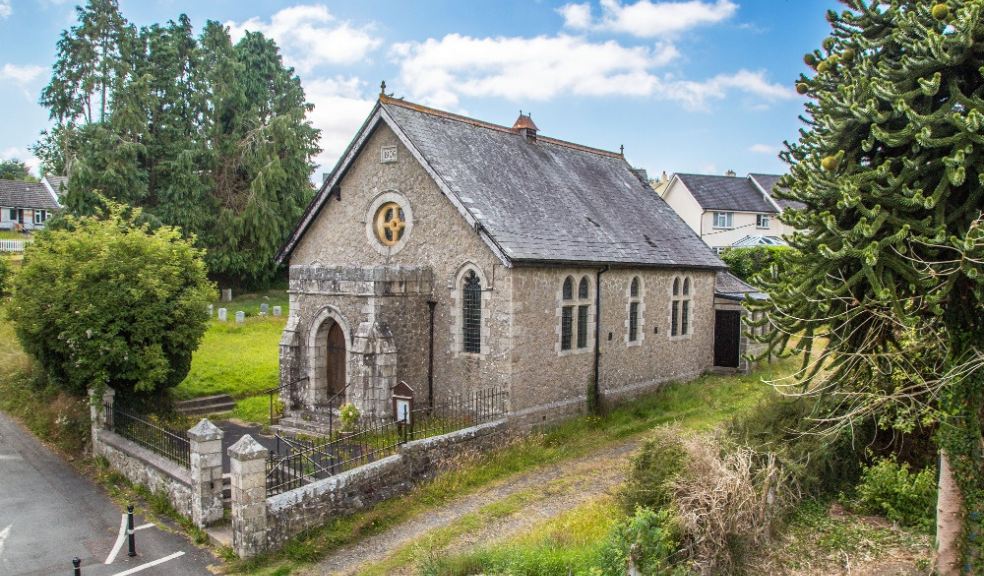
{"type": "Point", "coordinates": [256, 409]}
{"type": "Point", "coordinates": [11, 235]}
{"type": "Point", "coordinates": [698, 405]}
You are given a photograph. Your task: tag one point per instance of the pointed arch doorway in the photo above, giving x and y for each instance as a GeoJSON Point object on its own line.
{"type": "Point", "coordinates": [336, 362]}
{"type": "Point", "coordinates": [328, 353]}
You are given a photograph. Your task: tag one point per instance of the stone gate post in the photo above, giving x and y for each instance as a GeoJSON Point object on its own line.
{"type": "Point", "coordinates": [249, 522]}
{"type": "Point", "coordinates": [101, 410]}
{"type": "Point", "coordinates": [206, 473]}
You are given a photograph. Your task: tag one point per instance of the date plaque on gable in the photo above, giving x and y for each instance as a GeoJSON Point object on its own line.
{"type": "Point", "coordinates": [387, 154]}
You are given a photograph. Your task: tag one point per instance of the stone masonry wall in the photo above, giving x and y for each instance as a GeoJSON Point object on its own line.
{"type": "Point", "coordinates": [293, 512]}
{"type": "Point", "coordinates": [141, 466]}
{"type": "Point", "coordinates": [440, 239]}
{"type": "Point", "coordinates": [548, 382]}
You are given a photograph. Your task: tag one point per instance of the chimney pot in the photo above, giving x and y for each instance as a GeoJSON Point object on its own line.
{"type": "Point", "coordinates": [730, 173]}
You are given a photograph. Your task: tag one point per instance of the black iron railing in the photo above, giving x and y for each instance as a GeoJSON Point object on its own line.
{"type": "Point", "coordinates": [171, 444]}
{"type": "Point", "coordinates": [299, 462]}
{"type": "Point", "coordinates": [274, 393]}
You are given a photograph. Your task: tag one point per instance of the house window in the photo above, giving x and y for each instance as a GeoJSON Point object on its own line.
{"type": "Point", "coordinates": [40, 216]}
{"type": "Point", "coordinates": [724, 219]}
{"type": "Point", "coordinates": [761, 220]}
{"type": "Point", "coordinates": [583, 291]}
{"type": "Point", "coordinates": [471, 313]}
{"type": "Point", "coordinates": [13, 214]}
{"type": "Point", "coordinates": [634, 310]}
{"type": "Point", "coordinates": [567, 314]}
{"type": "Point", "coordinates": [680, 307]}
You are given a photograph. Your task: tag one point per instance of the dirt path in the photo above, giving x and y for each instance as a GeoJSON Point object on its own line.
{"type": "Point", "coordinates": [554, 489]}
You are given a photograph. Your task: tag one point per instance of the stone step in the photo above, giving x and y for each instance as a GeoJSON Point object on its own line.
{"type": "Point", "coordinates": [220, 535]}
{"type": "Point", "coordinates": [205, 405]}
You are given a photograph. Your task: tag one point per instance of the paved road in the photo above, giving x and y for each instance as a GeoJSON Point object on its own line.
{"type": "Point", "coordinates": [50, 514]}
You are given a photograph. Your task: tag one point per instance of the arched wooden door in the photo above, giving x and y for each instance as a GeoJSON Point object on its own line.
{"type": "Point", "coordinates": [336, 361]}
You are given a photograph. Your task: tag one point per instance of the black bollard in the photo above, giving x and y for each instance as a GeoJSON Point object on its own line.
{"type": "Point", "coordinates": [77, 564]}
{"type": "Point", "coordinates": [129, 531]}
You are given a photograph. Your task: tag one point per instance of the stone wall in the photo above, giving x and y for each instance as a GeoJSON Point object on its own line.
{"type": "Point", "coordinates": [141, 466]}
{"type": "Point", "coordinates": [313, 505]}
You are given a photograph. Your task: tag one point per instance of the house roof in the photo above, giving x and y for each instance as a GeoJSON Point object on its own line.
{"type": "Point", "coordinates": [548, 201]}
{"type": "Point", "coordinates": [17, 194]}
{"type": "Point", "coordinates": [767, 182]}
{"type": "Point", "coordinates": [731, 287]}
{"type": "Point", "coordinates": [731, 193]}
{"type": "Point", "coordinates": [58, 184]}
{"type": "Point", "coordinates": [759, 240]}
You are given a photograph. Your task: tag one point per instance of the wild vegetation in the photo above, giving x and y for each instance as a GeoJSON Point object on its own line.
{"type": "Point", "coordinates": [889, 266]}
{"type": "Point", "coordinates": [746, 263]}
{"type": "Point", "coordinates": [15, 170]}
{"type": "Point", "coordinates": [204, 134]}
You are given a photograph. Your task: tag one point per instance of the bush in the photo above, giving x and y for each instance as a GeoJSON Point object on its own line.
{"type": "Point", "coordinates": [745, 263]}
{"type": "Point", "coordinates": [101, 300]}
{"type": "Point", "coordinates": [6, 272]}
{"type": "Point", "coordinates": [648, 538]}
{"type": "Point", "coordinates": [903, 496]}
{"type": "Point", "coordinates": [655, 466]}
{"type": "Point", "coordinates": [349, 415]}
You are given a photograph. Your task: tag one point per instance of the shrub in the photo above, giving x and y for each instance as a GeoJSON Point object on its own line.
{"type": "Point", "coordinates": [653, 468]}
{"type": "Point", "coordinates": [349, 415]}
{"type": "Point", "coordinates": [100, 300]}
{"type": "Point", "coordinates": [745, 263]}
{"type": "Point", "coordinates": [903, 496]}
{"type": "Point", "coordinates": [5, 274]}
{"type": "Point", "coordinates": [648, 539]}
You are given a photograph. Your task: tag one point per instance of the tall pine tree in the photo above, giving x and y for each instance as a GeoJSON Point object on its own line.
{"type": "Point", "coordinates": [886, 291]}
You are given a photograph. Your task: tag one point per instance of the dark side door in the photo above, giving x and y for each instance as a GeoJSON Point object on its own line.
{"type": "Point", "coordinates": [727, 331]}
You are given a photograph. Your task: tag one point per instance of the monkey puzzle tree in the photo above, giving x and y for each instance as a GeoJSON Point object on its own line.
{"type": "Point", "coordinates": [885, 293]}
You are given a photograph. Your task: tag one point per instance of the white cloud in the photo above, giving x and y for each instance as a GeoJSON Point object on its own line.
{"type": "Point", "coordinates": [20, 75]}
{"type": "Point", "coordinates": [310, 36]}
{"type": "Point", "coordinates": [22, 155]}
{"type": "Point", "coordinates": [518, 68]}
{"type": "Point", "coordinates": [440, 72]}
{"type": "Point", "coordinates": [763, 149]}
{"type": "Point", "coordinates": [340, 107]}
{"type": "Point", "coordinates": [648, 19]}
{"type": "Point", "coordinates": [5, 9]}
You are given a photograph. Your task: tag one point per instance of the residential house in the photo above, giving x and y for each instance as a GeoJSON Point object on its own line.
{"type": "Point", "coordinates": [729, 210]}
{"type": "Point", "coordinates": [26, 206]}
{"type": "Point", "coordinates": [459, 255]}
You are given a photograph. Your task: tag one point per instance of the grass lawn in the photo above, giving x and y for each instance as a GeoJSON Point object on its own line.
{"type": "Point", "coordinates": [700, 405]}
{"type": "Point", "coordinates": [239, 360]}
{"type": "Point", "coordinates": [11, 235]}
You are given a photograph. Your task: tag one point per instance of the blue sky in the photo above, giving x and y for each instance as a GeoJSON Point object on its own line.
{"type": "Point", "coordinates": [685, 86]}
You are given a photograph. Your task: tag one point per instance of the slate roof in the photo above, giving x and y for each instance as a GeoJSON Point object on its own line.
{"type": "Point", "coordinates": [17, 194]}
{"type": "Point", "coordinates": [768, 183]}
{"type": "Point", "coordinates": [730, 193]}
{"type": "Point", "coordinates": [731, 287]}
{"type": "Point", "coordinates": [544, 202]}
{"type": "Point", "coordinates": [58, 183]}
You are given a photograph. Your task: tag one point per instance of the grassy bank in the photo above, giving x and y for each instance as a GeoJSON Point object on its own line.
{"type": "Point", "coordinates": [699, 405]}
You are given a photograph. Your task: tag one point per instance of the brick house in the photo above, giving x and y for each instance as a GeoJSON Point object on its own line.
{"type": "Point", "coordinates": [456, 255]}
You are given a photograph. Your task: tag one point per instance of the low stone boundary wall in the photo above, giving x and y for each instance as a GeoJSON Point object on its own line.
{"type": "Point", "coordinates": [141, 466]}
{"type": "Point", "coordinates": [195, 490]}
{"type": "Point", "coordinates": [267, 524]}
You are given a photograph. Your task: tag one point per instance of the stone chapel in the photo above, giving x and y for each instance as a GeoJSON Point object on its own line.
{"type": "Point", "coordinates": [455, 255]}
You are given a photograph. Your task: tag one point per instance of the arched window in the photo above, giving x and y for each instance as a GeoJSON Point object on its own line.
{"type": "Point", "coordinates": [583, 293]}
{"type": "Point", "coordinates": [471, 313]}
{"type": "Point", "coordinates": [680, 308]}
{"type": "Point", "coordinates": [634, 310]}
{"type": "Point", "coordinates": [567, 314]}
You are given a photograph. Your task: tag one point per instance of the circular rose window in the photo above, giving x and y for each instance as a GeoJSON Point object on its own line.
{"type": "Point", "coordinates": [389, 224]}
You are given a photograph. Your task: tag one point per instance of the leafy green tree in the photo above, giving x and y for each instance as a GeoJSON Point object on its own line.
{"type": "Point", "coordinates": [15, 170]}
{"type": "Point", "coordinates": [886, 291]}
{"type": "Point", "coordinates": [5, 274]}
{"type": "Point", "coordinates": [101, 300]}
{"type": "Point", "coordinates": [745, 263]}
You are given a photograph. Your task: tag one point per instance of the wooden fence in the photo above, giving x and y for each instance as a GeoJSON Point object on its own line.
{"type": "Point", "coordinates": [13, 245]}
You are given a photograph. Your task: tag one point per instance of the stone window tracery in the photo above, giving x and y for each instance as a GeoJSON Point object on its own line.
{"type": "Point", "coordinates": [680, 307]}
{"type": "Point", "coordinates": [471, 313]}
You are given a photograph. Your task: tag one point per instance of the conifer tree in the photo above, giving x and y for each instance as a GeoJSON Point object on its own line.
{"type": "Point", "coordinates": [886, 291]}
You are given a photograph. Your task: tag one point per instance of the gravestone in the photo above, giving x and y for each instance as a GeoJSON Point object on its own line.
{"type": "Point", "coordinates": [211, 310]}
{"type": "Point", "coordinates": [264, 308]}
{"type": "Point", "coordinates": [222, 315]}
{"type": "Point", "coordinates": [276, 311]}
{"type": "Point", "coordinates": [240, 317]}
{"type": "Point", "coordinates": [227, 294]}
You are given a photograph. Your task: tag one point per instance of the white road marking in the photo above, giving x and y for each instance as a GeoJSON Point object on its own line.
{"type": "Point", "coordinates": [136, 569]}
{"type": "Point", "coordinates": [119, 542]}
{"type": "Point", "coordinates": [10, 457]}
{"type": "Point", "coordinates": [143, 527]}
{"type": "Point", "coordinates": [3, 537]}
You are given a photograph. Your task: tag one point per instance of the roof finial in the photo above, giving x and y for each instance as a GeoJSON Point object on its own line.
{"type": "Point", "coordinates": [621, 149]}
{"type": "Point", "coordinates": [382, 88]}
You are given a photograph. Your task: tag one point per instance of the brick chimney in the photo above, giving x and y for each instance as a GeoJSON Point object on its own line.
{"type": "Point", "coordinates": [730, 173]}
{"type": "Point", "coordinates": [524, 126]}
